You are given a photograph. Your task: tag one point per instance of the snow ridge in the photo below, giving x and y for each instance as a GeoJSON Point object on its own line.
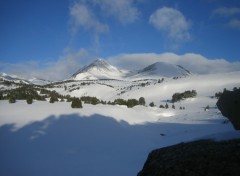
{"type": "Point", "coordinates": [100, 69]}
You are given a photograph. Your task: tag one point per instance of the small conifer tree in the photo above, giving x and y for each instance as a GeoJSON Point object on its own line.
{"type": "Point", "coordinates": [12, 99]}
{"type": "Point", "coordinates": [151, 104]}
{"type": "Point", "coordinates": [76, 103]}
{"type": "Point", "coordinates": [142, 101]}
{"type": "Point", "coordinates": [166, 106]}
{"type": "Point", "coordinates": [161, 106]}
{"type": "Point", "coordinates": [29, 100]}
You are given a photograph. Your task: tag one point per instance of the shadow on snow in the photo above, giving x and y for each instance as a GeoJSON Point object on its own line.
{"type": "Point", "coordinates": [89, 146]}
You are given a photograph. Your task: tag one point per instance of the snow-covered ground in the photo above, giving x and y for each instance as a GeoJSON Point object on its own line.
{"type": "Point", "coordinates": [54, 139]}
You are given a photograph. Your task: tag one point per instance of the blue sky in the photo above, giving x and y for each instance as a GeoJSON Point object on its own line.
{"type": "Point", "coordinates": [51, 34]}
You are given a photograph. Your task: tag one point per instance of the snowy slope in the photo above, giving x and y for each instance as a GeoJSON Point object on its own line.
{"type": "Point", "coordinates": [99, 69]}
{"type": "Point", "coordinates": [39, 81]}
{"type": "Point", "coordinates": [54, 139]}
{"type": "Point", "coordinates": [12, 78]}
{"type": "Point", "coordinates": [161, 69]}
{"type": "Point", "coordinates": [17, 79]}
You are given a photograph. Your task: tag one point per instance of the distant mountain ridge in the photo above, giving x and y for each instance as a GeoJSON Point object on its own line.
{"type": "Point", "coordinates": [164, 69]}
{"type": "Point", "coordinates": [17, 79]}
{"type": "Point", "coordinates": [101, 69]}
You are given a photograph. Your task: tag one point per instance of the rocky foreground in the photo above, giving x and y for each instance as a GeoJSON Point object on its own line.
{"type": "Point", "coordinates": [198, 158]}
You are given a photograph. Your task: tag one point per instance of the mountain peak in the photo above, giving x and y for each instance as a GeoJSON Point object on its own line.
{"type": "Point", "coordinates": [164, 69]}
{"type": "Point", "coordinates": [98, 69]}
{"type": "Point", "coordinates": [99, 63]}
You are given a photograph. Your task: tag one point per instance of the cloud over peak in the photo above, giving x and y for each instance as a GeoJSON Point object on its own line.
{"type": "Point", "coordinates": [172, 22]}
{"type": "Point", "coordinates": [196, 63]}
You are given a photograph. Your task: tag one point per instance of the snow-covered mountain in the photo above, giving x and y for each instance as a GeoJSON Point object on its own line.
{"type": "Point", "coordinates": [17, 79]}
{"type": "Point", "coordinates": [98, 69]}
{"type": "Point", "coordinates": [164, 70]}
{"type": "Point", "coordinates": [13, 78]}
{"type": "Point", "coordinates": [39, 81]}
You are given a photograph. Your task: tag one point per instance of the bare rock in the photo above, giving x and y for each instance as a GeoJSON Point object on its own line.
{"type": "Point", "coordinates": [229, 105]}
{"type": "Point", "coordinates": [198, 158]}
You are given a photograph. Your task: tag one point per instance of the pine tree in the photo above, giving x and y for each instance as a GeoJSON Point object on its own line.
{"type": "Point", "coordinates": [173, 106]}
{"type": "Point", "coordinates": [29, 100]}
{"type": "Point", "coordinates": [161, 106]}
{"type": "Point", "coordinates": [1, 96]}
{"type": "Point", "coordinates": [166, 106]}
{"type": "Point", "coordinates": [76, 103]}
{"type": "Point", "coordinates": [142, 101]}
{"type": "Point", "coordinates": [131, 103]}
{"type": "Point", "coordinates": [12, 99]}
{"type": "Point", "coordinates": [151, 104]}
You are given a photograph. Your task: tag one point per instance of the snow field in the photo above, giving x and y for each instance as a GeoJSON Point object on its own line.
{"type": "Point", "coordinates": [54, 139]}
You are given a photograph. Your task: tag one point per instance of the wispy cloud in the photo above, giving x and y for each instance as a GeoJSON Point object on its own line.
{"type": "Point", "coordinates": [124, 10]}
{"type": "Point", "coordinates": [82, 17]}
{"type": "Point", "coordinates": [63, 68]}
{"type": "Point", "coordinates": [95, 17]}
{"type": "Point", "coordinates": [230, 14]}
{"type": "Point", "coordinates": [196, 63]}
{"type": "Point", "coordinates": [234, 23]}
{"type": "Point", "coordinates": [171, 22]}
{"type": "Point", "coordinates": [226, 11]}
{"type": "Point", "coordinates": [88, 14]}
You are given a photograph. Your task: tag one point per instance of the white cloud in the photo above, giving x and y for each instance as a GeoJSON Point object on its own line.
{"type": "Point", "coordinates": [194, 62]}
{"type": "Point", "coordinates": [59, 70]}
{"type": "Point", "coordinates": [82, 16]}
{"type": "Point", "coordinates": [72, 61]}
{"type": "Point", "coordinates": [231, 14]}
{"type": "Point", "coordinates": [123, 10]}
{"type": "Point", "coordinates": [172, 22]}
{"type": "Point", "coordinates": [226, 11]}
{"type": "Point", "coordinates": [234, 23]}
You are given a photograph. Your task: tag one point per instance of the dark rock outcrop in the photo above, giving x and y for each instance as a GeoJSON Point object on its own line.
{"type": "Point", "coordinates": [199, 158]}
{"type": "Point", "coordinates": [229, 105]}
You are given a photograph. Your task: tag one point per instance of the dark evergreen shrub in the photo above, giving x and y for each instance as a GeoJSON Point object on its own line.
{"type": "Point", "coordinates": [76, 103]}
{"type": "Point", "coordinates": [120, 101]}
{"type": "Point", "coordinates": [142, 101]}
{"type": "Point", "coordinates": [161, 106]}
{"type": "Point", "coordinates": [180, 96]}
{"type": "Point", "coordinates": [53, 99]}
{"type": "Point", "coordinates": [1, 96]}
{"type": "Point", "coordinates": [152, 104]}
{"type": "Point", "coordinates": [166, 106]}
{"type": "Point", "coordinates": [131, 103]}
{"type": "Point", "coordinates": [29, 100]}
{"type": "Point", "coordinates": [12, 99]}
